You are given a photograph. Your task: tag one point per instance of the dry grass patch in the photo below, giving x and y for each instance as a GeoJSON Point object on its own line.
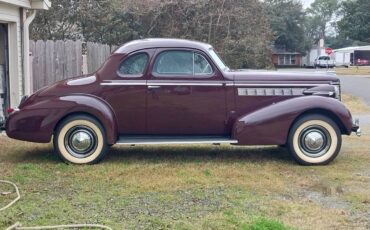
{"type": "Point", "coordinates": [354, 70]}
{"type": "Point", "coordinates": [355, 104]}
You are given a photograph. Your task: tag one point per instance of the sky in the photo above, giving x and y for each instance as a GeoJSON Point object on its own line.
{"type": "Point", "coordinates": [307, 3]}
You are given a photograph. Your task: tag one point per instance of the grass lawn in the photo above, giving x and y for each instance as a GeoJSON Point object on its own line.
{"type": "Point", "coordinates": [190, 187]}
{"type": "Point", "coordinates": [353, 70]}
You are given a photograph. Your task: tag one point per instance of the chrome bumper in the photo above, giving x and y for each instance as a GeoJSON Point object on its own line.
{"type": "Point", "coordinates": [356, 127]}
{"type": "Point", "coordinates": [2, 124]}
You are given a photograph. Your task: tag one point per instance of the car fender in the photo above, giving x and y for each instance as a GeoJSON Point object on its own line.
{"type": "Point", "coordinates": [36, 122]}
{"type": "Point", "coordinates": [270, 125]}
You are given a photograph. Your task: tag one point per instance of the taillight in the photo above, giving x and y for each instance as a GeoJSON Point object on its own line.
{"type": "Point", "coordinates": [10, 110]}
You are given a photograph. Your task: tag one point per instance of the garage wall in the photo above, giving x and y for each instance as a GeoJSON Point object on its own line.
{"type": "Point", "coordinates": [10, 14]}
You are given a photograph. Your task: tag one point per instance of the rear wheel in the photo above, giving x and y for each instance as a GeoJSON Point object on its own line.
{"type": "Point", "coordinates": [314, 140]}
{"type": "Point", "coordinates": [80, 139]}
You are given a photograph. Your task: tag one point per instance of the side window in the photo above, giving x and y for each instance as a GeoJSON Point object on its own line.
{"type": "Point", "coordinates": [174, 62]}
{"type": "Point", "coordinates": [134, 66]}
{"type": "Point", "coordinates": [201, 65]}
{"type": "Point", "coordinates": [184, 63]}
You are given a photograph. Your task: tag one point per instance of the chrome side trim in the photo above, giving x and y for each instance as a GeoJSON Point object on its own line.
{"type": "Point", "coordinates": [184, 84]}
{"type": "Point", "coordinates": [114, 83]}
{"type": "Point", "coordinates": [170, 141]}
{"type": "Point", "coordinates": [271, 91]}
{"type": "Point", "coordinates": [128, 82]}
{"type": "Point", "coordinates": [278, 85]}
{"type": "Point", "coordinates": [133, 83]}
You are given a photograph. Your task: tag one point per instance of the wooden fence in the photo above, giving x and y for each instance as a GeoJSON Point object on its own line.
{"type": "Point", "coordinates": [96, 55]}
{"type": "Point", "coordinates": [52, 61]}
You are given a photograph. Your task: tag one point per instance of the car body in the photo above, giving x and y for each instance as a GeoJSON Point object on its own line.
{"type": "Point", "coordinates": [324, 62]}
{"type": "Point", "coordinates": [170, 91]}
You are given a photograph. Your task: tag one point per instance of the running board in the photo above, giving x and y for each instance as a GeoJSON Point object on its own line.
{"type": "Point", "coordinates": [170, 140]}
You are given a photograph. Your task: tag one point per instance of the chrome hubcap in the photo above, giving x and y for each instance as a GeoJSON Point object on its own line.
{"type": "Point", "coordinates": [80, 141]}
{"type": "Point", "coordinates": [315, 141]}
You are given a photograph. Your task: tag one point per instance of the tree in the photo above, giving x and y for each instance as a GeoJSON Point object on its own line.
{"type": "Point", "coordinates": [355, 22]}
{"type": "Point", "coordinates": [287, 20]}
{"type": "Point", "coordinates": [87, 20]}
{"type": "Point", "coordinates": [319, 17]}
{"type": "Point", "coordinates": [238, 29]}
{"type": "Point", "coordinates": [58, 23]}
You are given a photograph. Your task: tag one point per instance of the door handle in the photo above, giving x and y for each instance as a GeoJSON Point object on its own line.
{"type": "Point", "coordinates": [153, 87]}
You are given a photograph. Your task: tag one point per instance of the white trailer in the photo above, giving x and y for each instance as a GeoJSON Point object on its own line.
{"type": "Point", "coordinates": [343, 56]}
{"type": "Point", "coordinates": [351, 55]}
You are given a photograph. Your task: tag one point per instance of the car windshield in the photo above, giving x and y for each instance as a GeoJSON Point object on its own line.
{"type": "Point", "coordinates": [218, 60]}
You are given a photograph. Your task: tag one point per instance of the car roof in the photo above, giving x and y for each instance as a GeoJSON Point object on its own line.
{"type": "Point", "coordinates": [161, 43]}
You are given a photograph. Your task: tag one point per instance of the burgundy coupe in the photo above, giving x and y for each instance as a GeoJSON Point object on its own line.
{"type": "Point", "coordinates": [169, 91]}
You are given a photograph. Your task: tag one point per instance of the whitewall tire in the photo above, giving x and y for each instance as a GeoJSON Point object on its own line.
{"type": "Point", "coordinates": [80, 139]}
{"type": "Point", "coordinates": [314, 140]}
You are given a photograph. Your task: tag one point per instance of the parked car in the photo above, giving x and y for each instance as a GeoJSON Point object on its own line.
{"type": "Point", "coordinates": [362, 62]}
{"type": "Point", "coordinates": [169, 91]}
{"type": "Point", "coordinates": [324, 62]}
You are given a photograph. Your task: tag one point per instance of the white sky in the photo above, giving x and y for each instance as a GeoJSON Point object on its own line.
{"type": "Point", "coordinates": [307, 3]}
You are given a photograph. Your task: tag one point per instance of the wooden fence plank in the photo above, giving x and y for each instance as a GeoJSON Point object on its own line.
{"type": "Point", "coordinates": [32, 51]}
{"type": "Point", "coordinates": [90, 56]}
{"type": "Point", "coordinates": [78, 55]}
{"type": "Point", "coordinates": [50, 62]}
{"type": "Point", "coordinates": [40, 75]}
{"type": "Point", "coordinates": [59, 60]}
{"type": "Point", "coordinates": [68, 68]}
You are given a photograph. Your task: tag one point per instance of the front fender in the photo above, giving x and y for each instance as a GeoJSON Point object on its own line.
{"type": "Point", "coordinates": [270, 125]}
{"type": "Point", "coordinates": [36, 122]}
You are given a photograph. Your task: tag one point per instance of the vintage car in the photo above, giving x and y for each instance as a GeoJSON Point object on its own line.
{"type": "Point", "coordinates": [169, 91]}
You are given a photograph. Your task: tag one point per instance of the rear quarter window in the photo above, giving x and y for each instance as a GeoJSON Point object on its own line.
{"type": "Point", "coordinates": [134, 66]}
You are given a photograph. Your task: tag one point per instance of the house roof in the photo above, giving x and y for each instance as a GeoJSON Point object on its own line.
{"type": "Point", "coordinates": [276, 50]}
{"type": "Point", "coordinates": [40, 4]}
{"type": "Point", "coordinates": [352, 49]}
{"type": "Point", "coordinates": [29, 4]}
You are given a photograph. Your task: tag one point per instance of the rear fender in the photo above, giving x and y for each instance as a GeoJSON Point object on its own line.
{"type": "Point", "coordinates": [37, 121]}
{"type": "Point", "coordinates": [270, 125]}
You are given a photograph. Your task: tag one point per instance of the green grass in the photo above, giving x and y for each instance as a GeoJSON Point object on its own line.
{"type": "Point", "coordinates": [264, 224]}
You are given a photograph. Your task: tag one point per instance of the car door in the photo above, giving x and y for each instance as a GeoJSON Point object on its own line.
{"type": "Point", "coordinates": [185, 95]}
{"type": "Point", "coordinates": [128, 91]}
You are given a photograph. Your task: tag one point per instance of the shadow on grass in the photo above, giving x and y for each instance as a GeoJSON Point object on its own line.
{"type": "Point", "coordinates": [158, 154]}
{"type": "Point", "coordinates": [194, 154]}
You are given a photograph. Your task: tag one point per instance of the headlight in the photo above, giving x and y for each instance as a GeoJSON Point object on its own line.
{"type": "Point", "coordinates": [337, 92]}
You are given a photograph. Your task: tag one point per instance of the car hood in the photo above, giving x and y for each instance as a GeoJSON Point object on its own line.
{"type": "Point", "coordinates": [282, 76]}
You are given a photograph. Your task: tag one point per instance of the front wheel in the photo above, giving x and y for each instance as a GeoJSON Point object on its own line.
{"type": "Point", "coordinates": [314, 140]}
{"type": "Point", "coordinates": [80, 139]}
